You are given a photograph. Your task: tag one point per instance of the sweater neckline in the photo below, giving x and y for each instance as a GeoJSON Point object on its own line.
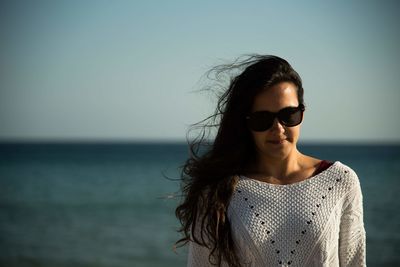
{"type": "Point", "coordinates": [305, 181]}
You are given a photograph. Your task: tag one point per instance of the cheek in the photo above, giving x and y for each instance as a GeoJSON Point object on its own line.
{"type": "Point", "coordinates": [293, 133]}
{"type": "Point", "coordinates": [256, 137]}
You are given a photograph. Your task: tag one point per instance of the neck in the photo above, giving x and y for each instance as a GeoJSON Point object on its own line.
{"type": "Point", "coordinates": [279, 168]}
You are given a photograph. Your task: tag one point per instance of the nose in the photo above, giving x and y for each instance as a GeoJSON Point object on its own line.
{"type": "Point", "coordinates": [277, 126]}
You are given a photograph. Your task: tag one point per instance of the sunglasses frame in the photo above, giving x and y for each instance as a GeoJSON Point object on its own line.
{"type": "Point", "coordinates": [300, 107]}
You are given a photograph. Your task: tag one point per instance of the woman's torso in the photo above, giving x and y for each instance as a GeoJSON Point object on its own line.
{"type": "Point", "coordinates": [294, 224]}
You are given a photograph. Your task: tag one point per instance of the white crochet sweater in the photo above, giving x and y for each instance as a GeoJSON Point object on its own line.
{"type": "Point", "coordinates": [315, 222]}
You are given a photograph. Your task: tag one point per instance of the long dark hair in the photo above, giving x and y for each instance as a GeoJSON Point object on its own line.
{"type": "Point", "coordinates": [208, 176]}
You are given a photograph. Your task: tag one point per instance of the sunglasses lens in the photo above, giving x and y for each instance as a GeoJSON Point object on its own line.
{"type": "Point", "coordinates": [291, 117]}
{"type": "Point", "coordinates": [261, 121]}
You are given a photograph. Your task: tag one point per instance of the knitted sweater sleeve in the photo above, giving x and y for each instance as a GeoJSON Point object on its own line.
{"type": "Point", "coordinates": [352, 232]}
{"type": "Point", "coordinates": [198, 256]}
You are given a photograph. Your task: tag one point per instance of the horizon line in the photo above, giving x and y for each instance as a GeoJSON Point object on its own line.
{"type": "Point", "coordinates": [95, 141]}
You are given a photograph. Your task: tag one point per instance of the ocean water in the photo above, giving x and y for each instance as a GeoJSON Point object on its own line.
{"type": "Point", "coordinates": [110, 205]}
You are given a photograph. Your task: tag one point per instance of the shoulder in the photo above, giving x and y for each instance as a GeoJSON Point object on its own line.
{"type": "Point", "coordinates": [344, 174]}
{"type": "Point", "coordinates": [346, 180]}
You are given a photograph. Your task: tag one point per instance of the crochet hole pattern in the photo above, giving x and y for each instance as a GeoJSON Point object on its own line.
{"type": "Point", "coordinates": [303, 232]}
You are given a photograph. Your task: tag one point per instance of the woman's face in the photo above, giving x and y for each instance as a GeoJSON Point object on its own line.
{"type": "Point", "coordinates": [279, 141]}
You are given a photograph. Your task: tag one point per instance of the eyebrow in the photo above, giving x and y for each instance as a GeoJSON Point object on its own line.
{"type": "Point", "coordinates": [273, 111]}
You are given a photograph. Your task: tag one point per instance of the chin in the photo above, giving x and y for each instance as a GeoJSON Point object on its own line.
{"type": "Point", "coordinates": [279, 151]}
{"type": "Point", "coordinates": [274, 152]}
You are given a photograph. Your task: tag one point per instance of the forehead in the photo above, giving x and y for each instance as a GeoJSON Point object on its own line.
{"type": "Point", "coordinates": [276, 97]}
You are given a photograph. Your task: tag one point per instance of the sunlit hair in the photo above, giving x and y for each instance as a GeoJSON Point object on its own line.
{"type": "Point", "coordinates": [209, 175]}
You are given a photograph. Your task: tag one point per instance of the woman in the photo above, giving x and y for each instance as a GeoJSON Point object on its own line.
{"type": "Point", "coordinates": [252, 198]}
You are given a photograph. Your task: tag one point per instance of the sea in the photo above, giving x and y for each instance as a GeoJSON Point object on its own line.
{"type": "Point", "coordinates": [112, 204]}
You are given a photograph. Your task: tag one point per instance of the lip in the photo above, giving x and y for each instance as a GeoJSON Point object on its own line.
{"type": "Point", "coordinates": [277, 142]}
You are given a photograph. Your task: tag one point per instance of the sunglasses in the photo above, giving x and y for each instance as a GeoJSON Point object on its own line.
{"type": "Point", "coordinates": [260, 121]}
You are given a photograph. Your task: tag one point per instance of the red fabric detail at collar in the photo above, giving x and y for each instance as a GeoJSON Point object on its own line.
{"type": "Point", "coordinates": [325, 164]}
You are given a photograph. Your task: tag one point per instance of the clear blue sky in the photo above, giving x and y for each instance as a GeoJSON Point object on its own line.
{"type": "Point", "coordinates": [125, 70]}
